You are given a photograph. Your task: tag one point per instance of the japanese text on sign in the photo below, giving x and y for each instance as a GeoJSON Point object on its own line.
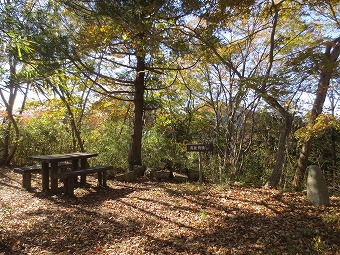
{"type": "Point", "coordinates": [200, 147]}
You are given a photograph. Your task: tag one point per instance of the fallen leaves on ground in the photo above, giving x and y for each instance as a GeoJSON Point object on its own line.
{"type": "Point", "coordinates": [163, 218]}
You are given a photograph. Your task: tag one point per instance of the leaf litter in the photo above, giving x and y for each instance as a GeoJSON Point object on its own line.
{"type": "Point", "coordinates": [163, 218]}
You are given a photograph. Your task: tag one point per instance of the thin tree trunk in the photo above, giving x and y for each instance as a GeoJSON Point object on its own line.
{"type": "Point", "coordinates": [334, 154]}
{"type": "Point", "coordinates": [75, 128]}
{"type": "Point", "coordinates": [273, 102]}
{"type": "Point", "coordinates": [331, 55]}
{"type": "Point", "coordinates": [78, 139]}
{"type": "Point", "coordinates": [333, 137]}
{"type": "Point", "coordinates": [275, 177]}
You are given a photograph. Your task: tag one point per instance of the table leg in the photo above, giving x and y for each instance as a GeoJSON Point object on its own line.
{"type": "Point", "coordinates": [54, 176]}
{"type": "Point", "coordinates": [75, 167]}
{"type": "Point", "coordinates": [44, 176]}
{"type": "Point", "coordinates": [83, 165]}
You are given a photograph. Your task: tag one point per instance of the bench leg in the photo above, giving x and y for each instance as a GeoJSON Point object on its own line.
{"type": "Point", "coordinates": [63, 169]}
{"type": "Point", "coordinates": [83, 180]}
{"type": "Point", "coordinates": [54, 176]}
{"type": "Point", "coordinates": [104, 178]}
{"type": "Point", "coordinates": [69, 186]}
{"type": "Point", "coordinates": [100, 178]}
{"type": "Point", "coordinates": [26, 180]}
{"type": "Point", "coordinates": [65, 186]}
{"type": "Point", "coordinates": [45, 176]}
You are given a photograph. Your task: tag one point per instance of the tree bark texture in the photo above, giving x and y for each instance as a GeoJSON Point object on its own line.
{"type": "Point", "coordinates": [135, 154]}
{"type": "Point", "coordinates": [10, 142]}
{"type": "Point", "coordinates": [331, 56]}
{"type": "Point", "coordinates": [275, 177]}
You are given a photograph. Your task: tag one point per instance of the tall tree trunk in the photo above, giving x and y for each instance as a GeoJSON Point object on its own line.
{"type": "Point", "coordinates": [10, 144]}
{"type": "Point", "coordinates": [135, 154]}
{"type": "Point", "coordinates": [331, 55]}
{"type": "Point", "coordinates": [274, 102]}
{"type": "Point", "coordinates": [275, 177]}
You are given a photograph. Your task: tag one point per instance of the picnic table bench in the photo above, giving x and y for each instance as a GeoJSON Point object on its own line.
{"type": "Point", "coordinates": [51, 166]}
{"type": "Point", "coordinates": [27, 172]}
{"type": "Point", "coordinates": [69, 177]}
{"type": "Point", "coordinates": [65, 167]}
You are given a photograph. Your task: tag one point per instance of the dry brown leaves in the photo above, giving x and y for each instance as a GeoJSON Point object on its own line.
{"type": "Point", "coordinates": [163, 218]}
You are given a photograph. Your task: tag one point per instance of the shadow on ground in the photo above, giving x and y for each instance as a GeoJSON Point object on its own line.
{"type": "Point", "coordinates": [156, 218]}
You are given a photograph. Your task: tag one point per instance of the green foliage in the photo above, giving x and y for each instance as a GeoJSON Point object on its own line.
{"type": "Point", "coordinates": [307, 232]}
{"type": "Point", "coordinates": [260, 158]}
{"type": "Point", "coordinates": [316, 128]}
{"type": "Point", "coordinates": [57, 46]}
{"type": "Point", "coordinates": [325, 146]}
{"type": "Point", "coordinates": [203, 214]}
{"type": "Point", "coordinates": [111, 140]}
{"type": "Point", "coordinates": [173, 126]}
{"type": "Point", "coordinates": [157, 147]}
{"type": "Point", "coordinates": [45, 133]}
{"type": "Point", "coordinates": [333, 218]}
{"type": "Point", "coordinates": [319, 245]}
{"type": "Point", "coordinates": [202, 125]}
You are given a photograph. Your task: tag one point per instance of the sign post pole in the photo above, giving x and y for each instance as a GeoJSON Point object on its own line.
{"type": "Point", "coordinates": [200, 148]}
{"type": "Point", "coordinates": [200, 174]}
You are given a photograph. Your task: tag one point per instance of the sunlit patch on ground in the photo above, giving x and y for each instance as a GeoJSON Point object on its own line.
{"type": "Point", "coordinates": [163, 218]}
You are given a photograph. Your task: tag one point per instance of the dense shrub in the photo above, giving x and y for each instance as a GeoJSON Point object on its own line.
{"type": "Point", "coordinates": [42, 134]}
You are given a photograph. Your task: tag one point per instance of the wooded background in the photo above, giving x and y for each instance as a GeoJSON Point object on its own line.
{"type": "Point", "coordinates": [138, 80]}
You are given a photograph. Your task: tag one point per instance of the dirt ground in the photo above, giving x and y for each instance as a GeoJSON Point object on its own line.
{"type": "Point", "coordinates": [163, 218]}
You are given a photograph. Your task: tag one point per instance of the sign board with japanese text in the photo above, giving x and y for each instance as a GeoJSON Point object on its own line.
{"type": "Point", "coordinates": [200, 147]}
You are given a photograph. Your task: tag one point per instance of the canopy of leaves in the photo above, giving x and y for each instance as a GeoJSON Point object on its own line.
{"type": "Point", "coordinates": [316, 128]}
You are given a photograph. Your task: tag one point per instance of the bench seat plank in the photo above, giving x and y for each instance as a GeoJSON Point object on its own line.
{"type": "Point", "coordinates": [69, 177]}
{"type": "Point", "coordinates": [86, 171]}
{"type": "Point", "coordinates": [27, 172]}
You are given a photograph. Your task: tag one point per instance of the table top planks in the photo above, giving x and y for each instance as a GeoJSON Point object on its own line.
{"type": "Point", "coordinates": [60, 157]}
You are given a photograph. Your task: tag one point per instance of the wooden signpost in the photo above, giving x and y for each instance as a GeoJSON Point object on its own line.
{"type": "Point", "coordinates": [200, 148]}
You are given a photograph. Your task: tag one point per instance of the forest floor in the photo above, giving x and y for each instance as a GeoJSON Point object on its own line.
{"type": "Point", "coordinates": [163, 218]}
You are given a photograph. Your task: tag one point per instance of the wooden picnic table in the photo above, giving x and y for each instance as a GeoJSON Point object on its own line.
{"type": "Point", "coordinates": [50, 166]}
